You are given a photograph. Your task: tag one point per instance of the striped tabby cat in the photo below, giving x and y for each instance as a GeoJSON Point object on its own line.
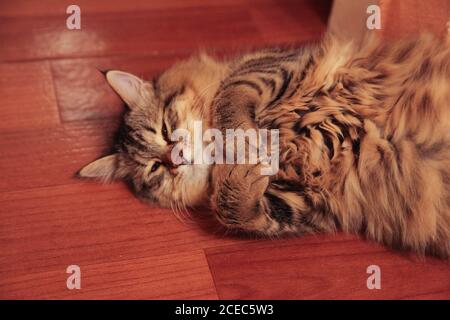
{"type": "Point", "coordinates": [364, 140]}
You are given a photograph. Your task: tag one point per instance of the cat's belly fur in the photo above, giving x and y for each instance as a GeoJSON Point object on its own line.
{"type": "Point", "coordinates": [372, 153]}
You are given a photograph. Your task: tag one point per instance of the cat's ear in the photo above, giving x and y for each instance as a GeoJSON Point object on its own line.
{"type": "Point", "coordinates": [104, 168]}
{"type": "Point", "coordinates": [129, 87]}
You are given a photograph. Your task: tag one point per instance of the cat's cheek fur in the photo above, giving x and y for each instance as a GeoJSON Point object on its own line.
{"type": "Point", "coordinates": [189, 188]}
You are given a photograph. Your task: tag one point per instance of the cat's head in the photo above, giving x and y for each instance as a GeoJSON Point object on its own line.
{"type": "Point", "coordinates": [156, 108]}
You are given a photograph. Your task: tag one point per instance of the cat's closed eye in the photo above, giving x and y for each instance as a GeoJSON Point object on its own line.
{"type": "Point", "coordinates": [165, 133]}
{"type": "Point", "coordinates": [150, 129]}
{"type": "Point", "coordinates": [155, 166]}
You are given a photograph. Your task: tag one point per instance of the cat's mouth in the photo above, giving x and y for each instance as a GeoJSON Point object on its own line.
{"type": "Point", "coordinates": [173, 158]}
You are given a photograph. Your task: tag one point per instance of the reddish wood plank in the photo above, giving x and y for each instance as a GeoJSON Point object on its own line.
{"type": "Point", "coordinates": [86, 223]}
{"type": "Point", "coordinates": [27, 96]}
{"type": "Point", "coordinates": [173, 276]}
{"type": "Point", "coordinates": [136, 28]}
{"type": "Point", "coordinates": [126, 33]}
{"type": "Point", "coordinates": [410, 17]}
{"type": "Point", "coordinates": [52, 156]}
{"type": "Point", "coordinates": [323, 268]}
{"type": "Point", "coordinates": [49, 219]}
{"type": "Point", "coordinates": [58, 7]}
{"type": "Point", "coordinates": [291, 21]}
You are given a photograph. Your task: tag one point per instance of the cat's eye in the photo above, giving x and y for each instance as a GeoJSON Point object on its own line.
{"type": "Point", "coordinates": [164, 132]}
{"type": "Point", "coordinates": [155, 166]}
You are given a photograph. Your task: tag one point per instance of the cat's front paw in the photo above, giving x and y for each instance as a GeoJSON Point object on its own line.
{"type": "Point", "coordinates": [238, 194]}
{"type": "Point", "coordinates": [250, 180]}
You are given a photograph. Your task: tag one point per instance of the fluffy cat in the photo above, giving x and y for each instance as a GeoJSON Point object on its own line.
{"type": "Point", "coordinates": [364, 139]}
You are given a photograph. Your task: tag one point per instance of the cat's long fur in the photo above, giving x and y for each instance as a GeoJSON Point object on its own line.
{"type": "Point", "coordinates": [364, 139]}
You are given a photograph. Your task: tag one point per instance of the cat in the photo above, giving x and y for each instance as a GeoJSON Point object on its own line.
{"type": "Point", "coordinates": [364, 135]}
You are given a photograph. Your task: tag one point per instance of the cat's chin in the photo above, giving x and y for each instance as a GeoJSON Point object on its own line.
{"type": "Point", "coordinates": [188, 189]}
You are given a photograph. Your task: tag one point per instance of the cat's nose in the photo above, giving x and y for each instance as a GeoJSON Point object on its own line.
{"type": "Point", "coordinates": [181, 159]}
{"type": "Point", "coordinates": [167, 158]}
{"type": "Point", "coordinates": [172, 162]}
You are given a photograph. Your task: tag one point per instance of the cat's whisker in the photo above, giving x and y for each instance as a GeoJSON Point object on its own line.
{"type": "Point", "coordinates": [183, 206]}
{"type": "Point", "coordinates": [183, 202]}
{"type": "Point", "coordinates": [180, 212]}
{"type": "Point", "coordinates": [176, 211]}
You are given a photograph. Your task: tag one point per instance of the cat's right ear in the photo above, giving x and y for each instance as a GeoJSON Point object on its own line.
{"type": "Point", "coordinates": [104, 169]}
{"type": "Point", "coordinates": [129, 87]}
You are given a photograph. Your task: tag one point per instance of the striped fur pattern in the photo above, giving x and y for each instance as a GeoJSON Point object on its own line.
{"type": "Point", "coordinates": [364, 140]}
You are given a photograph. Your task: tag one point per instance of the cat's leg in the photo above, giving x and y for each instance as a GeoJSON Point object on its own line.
{"type": "Point", "coordinates": [258, 82]}
{"type": "Point", "coordinates": [242, 197]}
{"type": "Point", "coordinates": [246, 200]}
{"type": "Point", "coordinates": [239, 188]}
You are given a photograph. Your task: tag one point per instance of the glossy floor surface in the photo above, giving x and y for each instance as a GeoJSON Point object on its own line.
{"type": "Point", "coordinates": [57, 114]}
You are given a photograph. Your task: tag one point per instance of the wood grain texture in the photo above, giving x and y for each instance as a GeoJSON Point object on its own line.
{"type": "Point", "coordinates": [55, 7]}
{"type": "Point", "coordinates": [291, 21]}
{"type": "Point", "coordinates": [156, 28]}
{"type": "Point", "coordinates": [171, 276]}
{"type": "Point", "coordinates": [58, 114]}
{"type": "Point", "coordinates": [27, 96]}
{"type": "Point", "coordinates": [92, 223]}
{"type": "Point", "coordinates": [409, 17]}
{"type": "Point", "coordinates": [124, 33]}
{"type": "Point", "coordinates": [124, 248]}
{"type": "Point", "coordinates": [323, 267]}
{"type": "Point", "coordinates": [31, 158]}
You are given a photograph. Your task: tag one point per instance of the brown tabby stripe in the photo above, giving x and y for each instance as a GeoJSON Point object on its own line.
{"type": "Point", "coordinates": [148, 128]}
{"type": "Point", "coordinates": [287, 185]}
{"type": "Point", "coordinates": [264, 64]}
{"type": "Point", "coordinates": [279, 209]}
{"type": "Point", "coordinates": [327, 139]}
{"type": "Point", "coordinates": [155, 182]}
{"type": "Point", "coordinates": [286, 78]}
{"type": "Point", "coordinates": [265, 60]}
{"type": "Point", "coordinates": [270, 83]}
{"type": "Point", "coordinates": [131, 140]}
{"type": "Point", "coordinates": [306, 221]}
{"type": "Point", "coordinates": [170, 98]}
{"type": "Point", "coordinates": [248, 83]}
{"type": "Point", "coordinates": [303, 131]}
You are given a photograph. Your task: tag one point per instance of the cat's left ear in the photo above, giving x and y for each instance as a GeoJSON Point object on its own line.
{"type": "Point", "coordinates": [104, 168]}
{"type": "Point", "coordinates": [130, 88]}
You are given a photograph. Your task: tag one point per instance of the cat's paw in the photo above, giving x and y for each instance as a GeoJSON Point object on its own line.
{"type": "Point", "coordinates": [239, 193]}
{"type": "Point", "coordinates": [248, 179]}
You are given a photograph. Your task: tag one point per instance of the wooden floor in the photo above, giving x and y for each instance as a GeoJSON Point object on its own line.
{"type": "Point", "coordinates": [57, 114]}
